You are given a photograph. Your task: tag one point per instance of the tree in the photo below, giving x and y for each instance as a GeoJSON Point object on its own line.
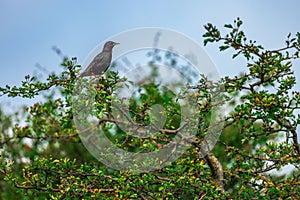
{"type": "Point", "coordinates": [46, 158]}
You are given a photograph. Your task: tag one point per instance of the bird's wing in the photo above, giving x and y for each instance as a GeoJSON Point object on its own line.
{"type": "Point", "coordinates": [98, 65]}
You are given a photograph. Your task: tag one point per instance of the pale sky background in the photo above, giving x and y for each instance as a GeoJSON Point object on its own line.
{"type": "Point", "coordinates": [29, 28]}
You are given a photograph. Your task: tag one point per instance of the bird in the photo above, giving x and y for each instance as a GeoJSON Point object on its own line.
{"type": "Point", "coordinates": [101, 61]}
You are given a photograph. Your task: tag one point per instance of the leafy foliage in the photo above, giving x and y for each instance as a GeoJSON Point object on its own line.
{"type": "Point", "coordinates": [44, 158]}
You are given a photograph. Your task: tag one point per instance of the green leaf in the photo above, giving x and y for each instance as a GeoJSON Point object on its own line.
{"type": "Point", "coordinates": [228, 26]}
{"type": "Point", "coordinates": [161, 188]}
{"type": "Point", "coordinates": [239, 23]}
{"type": "Point", "coordinates": [208, 40]}
{"type": "Point", "coordinates": [223, 48]}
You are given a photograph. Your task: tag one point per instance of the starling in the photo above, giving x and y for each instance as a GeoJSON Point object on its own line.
{"type": "Point", "coordinates": [101, 62]}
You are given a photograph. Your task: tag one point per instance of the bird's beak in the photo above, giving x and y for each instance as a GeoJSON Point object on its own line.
{"type": "Point", "coordinates": [116, 43]}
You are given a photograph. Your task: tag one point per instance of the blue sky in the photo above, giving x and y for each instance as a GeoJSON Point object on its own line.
{"type": "Point", "coordinates": [30, 28]}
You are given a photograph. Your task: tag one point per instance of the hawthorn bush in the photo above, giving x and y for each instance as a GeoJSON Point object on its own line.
{"type": "Point", "coordinates": [44, 157]}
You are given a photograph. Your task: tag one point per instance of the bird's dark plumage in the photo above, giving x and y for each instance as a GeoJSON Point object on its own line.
{"type": "Point", "coordinates": [101, 62]}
